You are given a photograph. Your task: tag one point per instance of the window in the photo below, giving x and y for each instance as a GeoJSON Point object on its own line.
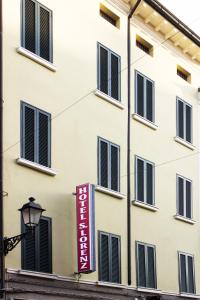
{"type": "Point", "coordinates": [183, 74]}
{"type": "Point", "coordinates": [108, 165]}
{"type": "Point", "coordinates": [35, 135]}
{"type": "Point", "coordinates": [37, 248]}
{"type": "Point", "coordinates": [186, 273]}
{"type": "Point", "coordinates": [109, 16]}
{"type": "Point", "coordinates": [184, 197]}
{"type": "Point", "coordinates": [109, 258]}
{"type": "Point", "coordinates": [37, 29]}
{"type": "Point", "coordinates": [144, 95]}
{"type": "Point", "coordinates": [144, 180]}
{"type": "Point", "coordinates": [146, 265]}
{"type": "Point", "coordinates": [109, 68]}
{"type": "Point", "coordinates": [184, 120]}
{"type": "Point", "coordinates": [144, 45]}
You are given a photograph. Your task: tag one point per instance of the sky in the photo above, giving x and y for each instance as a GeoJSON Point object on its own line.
{"type": "Point", "coordinates": [187, 11]}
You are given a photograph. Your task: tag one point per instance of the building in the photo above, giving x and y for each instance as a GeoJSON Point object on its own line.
{"type": "Point", "coordinates": [65, 108]}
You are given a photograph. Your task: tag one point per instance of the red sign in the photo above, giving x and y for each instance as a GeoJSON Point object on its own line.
{"type": "Point", "coordinates": [85, 228]}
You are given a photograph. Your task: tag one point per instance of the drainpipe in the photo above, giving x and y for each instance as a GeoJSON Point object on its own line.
{"type": "Point", "coordinates": [134, 7]}
{"type": "Point", "coordinates": [1, 159]}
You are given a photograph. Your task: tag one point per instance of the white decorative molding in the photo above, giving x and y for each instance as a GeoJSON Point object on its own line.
{"type": "Point", "coordinates": [90, 282]}
{"type": "Point", "coordinates": [36, 58]}
{"type": "Point", "coordinates": [145, 205]}
{"type": "Point", "coordinates": [109, 99]}
{"type": "Point", "coordinates": [144, 121]}
{"type": "Point", "coordinates": [184, 143]}
{"type": "Point", "coordinates": [112, 193]}
{"type": "Point", "coordinates": [184, 219]}
{"type": "Point", "coordinates": [35, 166]}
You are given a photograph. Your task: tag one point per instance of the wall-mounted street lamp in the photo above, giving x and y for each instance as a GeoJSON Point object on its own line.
{"type": "Point", "coordinates": [31, 213]}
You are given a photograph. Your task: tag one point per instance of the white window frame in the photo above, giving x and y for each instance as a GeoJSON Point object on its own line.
{"type": "Point", "coordinates": [110, 52]}
{"type": "Point", "coordinates": [146, 245]}
{"type": "Point", "coordinates": [38, 5]}
{"type": "Point", "coordinates": [184, 196]}
{"type": "Point", "coordinates": [36, 130]}
{"type": "Point", "coordinates": [145, 161]}
{"type": "Point", "coordinates": [184, 120]}
{"type": "Point", "coordinates": [109, 235]}
{"type": "Point", "coordinates": [144, 99]}
{"type": "Point", "coordinates": [109, 163]}
{"type": "Point", "coordinates": [179, 268]}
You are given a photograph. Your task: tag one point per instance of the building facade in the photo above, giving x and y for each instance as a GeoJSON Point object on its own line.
{"type": "Point", "coordinates": [65, 108]}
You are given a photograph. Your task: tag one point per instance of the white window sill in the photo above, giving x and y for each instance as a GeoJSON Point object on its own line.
{"type": "Point", "coordinates": [184, 143]}
{"type": "Point", "coordinates": [36, 58]}
{"type": "Point", "coordinates": [144, 121]}
{"type": "Point", "coordinates": [189, 295]}
{"type": "Point", "coordinates": [109, 99]}
{"type": "Point", "coordinates": [112, 193]}
{"type": "Point", "coordinates": [184, 219]}
{"type": "Point", "coordinates": [110, 284]}
{"type": "Point", "coordinates": [145, 205]}
{"type": "Point", "coordinates": [146, 290]}
{"type": "Point", "coordinates": [35, 166]}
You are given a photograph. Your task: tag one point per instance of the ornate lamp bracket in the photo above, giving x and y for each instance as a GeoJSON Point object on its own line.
{"type": "Point", "coordinates": [11, 243]}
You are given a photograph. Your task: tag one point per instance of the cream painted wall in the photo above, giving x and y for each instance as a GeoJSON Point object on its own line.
{"type": "Point", "coordinates": [76, 30]}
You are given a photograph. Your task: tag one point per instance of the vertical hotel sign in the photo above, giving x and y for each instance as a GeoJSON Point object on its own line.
{"type": "Point", "coordinates": [85, 216]}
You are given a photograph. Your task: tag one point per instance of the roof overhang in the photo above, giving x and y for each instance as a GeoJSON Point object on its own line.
{"type": "Point", "coordinates": [163, 21]}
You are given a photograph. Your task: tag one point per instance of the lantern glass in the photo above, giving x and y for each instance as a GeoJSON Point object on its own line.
{"type": "Point", "coordinates": [35, 215]}
{"type": "Point", "coordinates": [26, 216]}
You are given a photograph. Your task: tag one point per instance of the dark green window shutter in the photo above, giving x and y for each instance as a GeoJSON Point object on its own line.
{"type": "Point", "coordinates": [188, 199]}
{"type": "Point", "coordinates": [191, 287]}
{"type": "Point", "coordinates": [44, 33]}
{"type": "Point", "coordinates": [30, 30]}
{"type": "Point", "coordinates": [180, 196]}
{"type": "Point", "coordinates": [150, 184]}
{"type": "Point", "coordinates": [115, 259]}
{"type": "Point", "coordinates": [183, 273]}
{"type": "Point", "coordinates": [140, 179]}
{"type": "Point", "coordinates": [29, 251]}
{"type": "Point", "coordinates": [115, 76]}
{"type": "Point", "coordinates": [44, 124]}
{"type": "Point", "coordinates": [37, 248]}
{"type": "Point", "coordinates": [29, 133]}
{"type": "Point", "coordinates": [103, 70]}
{"type": "Point", "coordinates": [188, 125]}
{"type": "Point", "coordinates": [104, 257]}
{"type": "Point", "coordinates": [114, 168]}
{"type": "Point", "coordinates": [149, 100]}
{"type": "Point", "coordinates": [103, 163]}
{"type": "Point", "coordinates": [140, 95]}
{"type": "Point", "coordinates": [180, 115]}
{"type": "Point", "coordinates": [45, 259]}
{"type": "Point", "coordinates": [141, 266]}
{"type": "Point", "coordinates": [151, 267]}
